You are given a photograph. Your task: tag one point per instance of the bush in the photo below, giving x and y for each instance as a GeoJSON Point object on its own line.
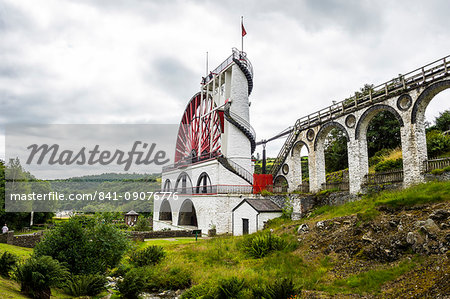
{"type": "Point", "coordinates": [281, 288]}
{"type": "Point", "coordinates": [260, 245]}
{"type": "Point", "coordinates": [266, 192]}
{"type": "Point", "coordinates": [167, 279]}
{"type": "Point", "coordinates": [389, 165]}
{"type": "Point", "coordinates": [37, 274]}
{"type": "Point", "coordinates": [379, 156]}
{"type": "Point", "coordinates": [133, 283]}
{"type": "Point", "coordinates": [437, 143]}
{"type": "Point", "coordinates": [8, 262]}
{"type": "Point", "coordinates": [84, 246]}
{"type": "Point", "coordinates": [85, 285]}
{"type": "Point", "coordinates": [204, 291]}
{"type": "Point", "coordinates": [149, 256]}
{"type": "Point", "coordinates": [142, 224]}
{"type": "Point", "coordinates": [437, 171]}
{"type": "Point", "coordinates": [230, 287]}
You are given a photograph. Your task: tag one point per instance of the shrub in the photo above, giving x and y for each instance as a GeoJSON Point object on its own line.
{"type": "Point", "coordinates": [167, 279]}
{"type": "Point", "coordinates": [8, 262]}
{"type": "Point", "coordinates": [260, 245]}
{"type": "Point", "coordinates": [266, 192]}
{"type": "Point", "coordinates": [149, 256]}
{"type": "Point", "coordinates": [205, 291]}
{"type": "Point", "coordinates": [281, 288]}
{"type": "Point", "coordinates": [84, 246]}
{"type": "Point", "coordinates": [85, 285]}
{"type": "Point", "coordinates": [37, 274]}
{"type": "Point", "coordinates": [379, 156]}
{"type": "Point", "coordinates": [389, 165]}
{"type": "Point", "coordinates": [437, 143]}
{"type": "Point", "coordinates": [133, 283]}
{"type": "Point", "coordinates": [142, 224]}
{"type": "Point", "coordinates": [230, 287]}
{"type": "Point", "coordinates": [447, 168]}
{"type": "Point", "coordinates": [437, 171]}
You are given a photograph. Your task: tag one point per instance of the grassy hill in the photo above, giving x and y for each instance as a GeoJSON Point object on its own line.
{"type": "Point", "coordinates": [359, 249]}
{"type": "Point", "coordinates": [391, 244]}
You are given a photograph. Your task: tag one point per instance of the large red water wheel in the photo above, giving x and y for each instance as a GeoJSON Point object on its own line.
{"type": "Point", "coordinates": [199, 131]}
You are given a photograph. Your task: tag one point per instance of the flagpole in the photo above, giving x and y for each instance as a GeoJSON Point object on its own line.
{"type": "Point", "coordinates": [206, 74]}
{"type": "Point", "coordinates": [242, 36]}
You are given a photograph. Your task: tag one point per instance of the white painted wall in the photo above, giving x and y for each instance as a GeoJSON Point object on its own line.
{"type": "Point", "coordinates": [263, 217]}
{"type": "Point", "coordinates": [247, 212]}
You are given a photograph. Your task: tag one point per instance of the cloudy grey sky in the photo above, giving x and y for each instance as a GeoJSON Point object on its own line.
{"type": "Point", "coordinates": [126, 62]}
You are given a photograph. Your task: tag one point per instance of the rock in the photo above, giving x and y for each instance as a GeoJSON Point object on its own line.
{"type": "Point", "coordinates": [337, 222]}
{"type": "Point", "coordinates": [365, 237]}
{"type": "Point", "coordinates": [411, 238]}
{"type": "Point", "coordinates": [392, 223]}
{"type": "Point", "coordinates": [303, 228]}
{"type": "Point", "coordinates": [428, 224]}
{"type": "Point", "coordinates": [440, 214]}
{"type": "Point", "coordinates": [320, 224]}
{"type": "Point", "coordinates": [400, 228]}
{"type": "Point", "coordinates": [347, 222]}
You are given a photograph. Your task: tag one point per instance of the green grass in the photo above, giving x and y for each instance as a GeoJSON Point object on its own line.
{"type": "Point", "coordinates": [169, 241]}
{"type": "Point", "coordinates": [367, 207]}
{"type": "Point", "coordinates": [10, 289]}
{"type": "Point", "coordinates": [19, 251]}
{"type": "Point", "coordinates": [370, 281]}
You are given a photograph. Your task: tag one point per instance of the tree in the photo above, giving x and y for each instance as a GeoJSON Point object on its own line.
{"type": "Point", "coordinates": [19, 181]}
{"type": "Point", "coordinates": [383, 132]}
{"type": "Point", "coordinates": [85, 247]}
{"type": "Point", "coordinates": [443, 121]}
{"type": "Point", "coordinates": [336, 157]}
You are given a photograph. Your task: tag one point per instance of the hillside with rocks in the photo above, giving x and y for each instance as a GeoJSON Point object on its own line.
{"type": "Point", "coordinates": [408, 245]}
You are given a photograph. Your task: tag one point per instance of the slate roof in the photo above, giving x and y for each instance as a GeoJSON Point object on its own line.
{"type": "Point", "coordinates": [261, 205]}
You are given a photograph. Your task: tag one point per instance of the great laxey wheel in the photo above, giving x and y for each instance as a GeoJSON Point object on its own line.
{"type": "Point", "coordinates": [199, 132]}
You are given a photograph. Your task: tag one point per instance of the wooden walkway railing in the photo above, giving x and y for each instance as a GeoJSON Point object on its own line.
{"type": "Point", "coordinates": [433, 164]}
{"type": "Point", "coordinates": [421, 76]}
{"type": "Point", "coordinates": [392, 176]}
{"type": "Point", "coordinates": [341, 186]}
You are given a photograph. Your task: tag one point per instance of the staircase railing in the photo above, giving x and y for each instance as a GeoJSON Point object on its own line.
{"type": "Point", "coordinates": [243, 123]}
{"type": "Point", "coordinates": [236, 168]}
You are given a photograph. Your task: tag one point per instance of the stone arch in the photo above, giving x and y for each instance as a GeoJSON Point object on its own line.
{"type": "Point", "coordinates": [325, 129]}
{"type": "Point", "coordinates": [203, 184]}
{"type": "Point", "coordinates": [167, 185]}
{"type": "Point", "coordinates": [420, 105]}
{"type": "Point", "coordinates": [296, 149]}
{"type": "Point", "coordinates": [187, 214]}
{"type": "Point", "coordinates": [370, 113]}
{"type": "Point", "coordinates": [165, 211]}
{"type": "Point", "coordinates": [183, 184]}
{"type": "Point", "coordinates": [280, 184]}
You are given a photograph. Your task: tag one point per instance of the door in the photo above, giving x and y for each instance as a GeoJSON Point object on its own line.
{"type": "Point", "coordinates": [244, 226]}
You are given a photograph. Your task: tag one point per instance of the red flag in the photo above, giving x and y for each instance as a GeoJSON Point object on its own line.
{"type": "Point", "coordinates": [243, 30]}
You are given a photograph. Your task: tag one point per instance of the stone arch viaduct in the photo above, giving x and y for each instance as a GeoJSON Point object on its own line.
{"type": "Point", "coordinates": [406, 97]}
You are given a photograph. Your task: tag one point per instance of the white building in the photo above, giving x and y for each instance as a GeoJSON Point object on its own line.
{"type": "Point", "coordinates": [213, 169]}
{"type": "Point", "coordinates": [250, 215]}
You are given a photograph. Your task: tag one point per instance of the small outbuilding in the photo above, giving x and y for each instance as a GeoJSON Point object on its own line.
{"type": "Point", "coordinates": [250, 215]}
{"type": "Point", "coordinates": [131, 218]}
